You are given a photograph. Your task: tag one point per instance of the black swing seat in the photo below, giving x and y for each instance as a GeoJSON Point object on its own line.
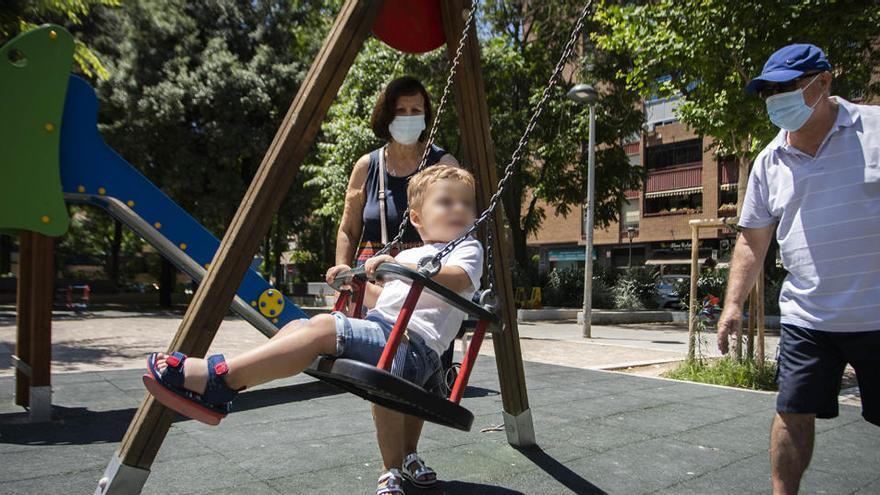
{"type": "Point", "coordinates": [381, 387]}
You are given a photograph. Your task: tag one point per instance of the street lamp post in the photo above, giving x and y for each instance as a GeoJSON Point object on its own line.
{"type": "Point", "coordinates": [630, 233]}
{"type": "Point", "coordinates": [584, 93]}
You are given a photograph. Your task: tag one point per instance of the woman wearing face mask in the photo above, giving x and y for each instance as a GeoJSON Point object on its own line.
{"type": "Point", "coordinates": [401, 117]}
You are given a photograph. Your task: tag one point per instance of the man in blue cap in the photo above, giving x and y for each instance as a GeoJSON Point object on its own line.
{"type": "Point", "coordinates": [817, 185]}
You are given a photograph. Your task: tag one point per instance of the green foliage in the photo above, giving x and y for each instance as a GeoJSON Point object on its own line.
{"type": "Point", "coordinates": [565, 288]}
{"type": "Point", "coordinates": [712, 48]}
{"type": "Point", "coordinates": [196, 94]}
{"type": "Point", "coordinates": [727, 371]}
{"type": "Point", "coordinates": [91, 239]}
{"type": "Point", "coordinates": [635, 289]}
{"type": "Point", "coordinates": [19, 16]}
{"type": "Point", "coordinates": [710, 282]}
{"type": "Point", "coordinates": [522, 44]}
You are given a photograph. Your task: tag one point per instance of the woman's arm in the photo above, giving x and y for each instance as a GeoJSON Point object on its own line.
{"type": "Point", "coordinates": [352, 223]}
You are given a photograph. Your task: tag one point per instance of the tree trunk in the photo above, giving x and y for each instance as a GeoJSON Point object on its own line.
{"type": "Point", "coordinates": [5, 254]}
{"type": "Point", "coordinates": [743, 176]}
{"type": "Point", "coordinates": [115, 246]}
{"type": "Point", "coordinates": [167, 281]}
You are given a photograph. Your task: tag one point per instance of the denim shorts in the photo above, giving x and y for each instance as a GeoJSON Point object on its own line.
{"type": "Point", "coordinates": [810, 368]}
{"type": "Point", "coordinates": [364, 340]}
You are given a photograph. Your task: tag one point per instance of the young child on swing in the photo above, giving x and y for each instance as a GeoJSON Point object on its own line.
{"type": "Point", "coordinates": [441, 201]}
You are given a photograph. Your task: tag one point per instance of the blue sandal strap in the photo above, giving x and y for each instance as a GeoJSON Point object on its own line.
{"type": "Point", "coordinates": [173, 374]}
{"type": "Point", "coordinates": [217, 392]}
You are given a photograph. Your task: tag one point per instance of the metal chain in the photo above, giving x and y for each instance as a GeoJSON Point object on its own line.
{"type": "Point", "coordinates": [433, 265]}
{"type": "Point", "coordinates": [453, 69]}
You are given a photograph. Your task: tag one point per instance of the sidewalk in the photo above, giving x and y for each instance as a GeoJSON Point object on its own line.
{"type": "Point", "coordinates": [119, 340]}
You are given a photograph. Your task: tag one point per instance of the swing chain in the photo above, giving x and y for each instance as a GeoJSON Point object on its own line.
{"type": "Point", "coordinates": [523, 141]}
{"type": "Point", "coordinates": [453, 69]}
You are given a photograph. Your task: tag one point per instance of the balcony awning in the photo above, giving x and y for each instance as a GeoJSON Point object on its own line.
{"type": "Point", "coordinates": [674, 192]}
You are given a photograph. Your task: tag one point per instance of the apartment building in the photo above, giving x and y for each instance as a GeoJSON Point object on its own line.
{"type": "Point", "coordinates": [684, 181]}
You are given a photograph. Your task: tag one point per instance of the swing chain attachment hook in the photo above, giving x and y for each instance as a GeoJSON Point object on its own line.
{"type": "Point", "coordinates": [428, 266]}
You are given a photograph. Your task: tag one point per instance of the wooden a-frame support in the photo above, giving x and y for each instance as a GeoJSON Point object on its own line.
{"type": "Point", "coordinates": [128, 470]}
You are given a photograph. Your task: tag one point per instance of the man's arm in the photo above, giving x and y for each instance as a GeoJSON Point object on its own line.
{"type": "Point", "coordinates": [748, 256]}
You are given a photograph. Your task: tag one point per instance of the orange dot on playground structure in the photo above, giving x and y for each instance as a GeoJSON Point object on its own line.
{"type": "Point", "coordinates": [102, 191]}
{"type": "Point", "coordinates": [49, 127]}
{"type": "Point", "coordinates": [45, 219]}
{"type": "Point", "coordinates": [81, 189]}
{"type": "Point", "coordinates": [183, 246]}
{"type": "Point", "coordinates": [158, 225]}
{"type": "Point", "coordinates": [130, 203]}
{"type": "Point", "coordinates": [53, 35]}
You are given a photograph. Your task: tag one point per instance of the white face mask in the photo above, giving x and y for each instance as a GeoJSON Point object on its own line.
{"type": "Point", "coordinates": [406, 129]}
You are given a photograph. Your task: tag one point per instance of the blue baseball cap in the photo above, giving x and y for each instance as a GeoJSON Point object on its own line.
{"type": "Point", "coordinates": [790, 62]}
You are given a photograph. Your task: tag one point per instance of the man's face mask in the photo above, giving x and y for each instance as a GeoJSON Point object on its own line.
{"type": "Point", "coordinates": [789, 110]}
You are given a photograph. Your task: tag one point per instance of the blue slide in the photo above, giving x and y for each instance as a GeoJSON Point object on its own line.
{"type": "Point", "coordinates": [92, 173]}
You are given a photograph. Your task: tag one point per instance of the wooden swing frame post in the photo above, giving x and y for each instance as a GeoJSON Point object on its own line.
{"type": "Point", "coordinates": [128, 470]}
{"type": "Point", "coordinates": [478, 152]}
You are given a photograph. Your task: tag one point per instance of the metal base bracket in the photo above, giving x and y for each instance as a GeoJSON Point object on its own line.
{"type": "Point", "coordinates": [520, 429]}
{"type": "Point", "coordinates": [40, 406]}
{"type": "Point", "coordinates": [120, 479]}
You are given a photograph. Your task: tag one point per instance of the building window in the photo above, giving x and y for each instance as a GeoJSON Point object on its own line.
{"type": "Point", "coordinates": [674, 154]}
{"type": "Point", "coordinates": [629, 215]}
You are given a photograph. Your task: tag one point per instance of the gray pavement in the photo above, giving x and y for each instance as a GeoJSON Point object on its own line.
{"type": "Point", "coordinates": [598, 432]}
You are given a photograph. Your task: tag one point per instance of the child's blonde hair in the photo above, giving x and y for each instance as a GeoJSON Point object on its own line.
{"type": "Point", "coordinates": [419, 184]}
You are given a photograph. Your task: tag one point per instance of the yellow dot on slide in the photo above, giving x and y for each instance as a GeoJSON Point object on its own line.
{"type": "Point", "coordinates": [158, 225]}
{"type": "Point", "coordinates": [207, 265]}
{"type": "Point", "coordinates": [183, 246]}
{"type": "Point", "coordinates": [275, 320]}
{"type": "Point", "coordinates": [53, 35]}
{"type": "Point", "coordinates": [49, 127]}
{"type": "Point", "coordinates": [81, 189]}
{"type": "Point", "coordinates": [102, 191]}
{"type": "Point", "coordinates": [45, 219]}
{"type": "Point", "coordinates": [130, 203]}
{"type": "Point", "coordinates": [254, 303]}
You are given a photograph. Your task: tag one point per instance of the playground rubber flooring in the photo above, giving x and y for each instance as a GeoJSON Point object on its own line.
{"type": "Point", "coordinates": [598, 432]}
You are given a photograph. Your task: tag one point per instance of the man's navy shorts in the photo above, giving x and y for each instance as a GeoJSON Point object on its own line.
{"type": "Point", "coordinates": [810, 369]}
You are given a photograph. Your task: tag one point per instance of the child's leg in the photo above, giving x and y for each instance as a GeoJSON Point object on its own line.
{"type": "Point", "coordinates": [412, 430]}
{"type": "Point", "coordinates": [389, 433]}
{"type": "Point", "coordinates": [278, 358]}
{"type": "Point", "coordinates": [290, 327]}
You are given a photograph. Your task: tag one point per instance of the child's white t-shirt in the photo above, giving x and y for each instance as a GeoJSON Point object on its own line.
{"type": "Point", "coordinates": [434, 319]}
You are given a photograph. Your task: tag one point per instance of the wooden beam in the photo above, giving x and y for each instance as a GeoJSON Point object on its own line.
{"type": "Point", "coordinates": [479, 155]}
{"type": "Point", "coordinates": [42, 292]}
{"type": "Point", "coordinates": [273, 179]}
{"type": "Point", "coordinates": [23, 312]}
{"type": "Point", "coordinates": [692, 301]}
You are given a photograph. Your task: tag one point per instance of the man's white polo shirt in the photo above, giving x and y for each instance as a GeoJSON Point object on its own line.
{"type": "Point", "coordinates": [828, 209]}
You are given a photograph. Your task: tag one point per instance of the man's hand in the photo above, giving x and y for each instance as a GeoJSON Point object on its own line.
{"type": "Point", "coordinates": [373, 263]}
{"type": "Point", "coordinates": [730, 323]}
{"type": "Point", "coordinates": [334, 271]}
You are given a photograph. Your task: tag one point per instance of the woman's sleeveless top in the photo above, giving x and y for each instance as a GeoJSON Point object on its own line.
{"type": "Point", "coordinates": [395, 206]}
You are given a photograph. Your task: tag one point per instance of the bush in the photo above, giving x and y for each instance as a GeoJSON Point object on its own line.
{"type": "Point", "coordinates": [727, 371]}
{"type": "Point", "coordinates": [709, 283]}
{"type": "Point", "coordinates": [635, 289]}
{"type": "Point", "coordinates": [564, 288]}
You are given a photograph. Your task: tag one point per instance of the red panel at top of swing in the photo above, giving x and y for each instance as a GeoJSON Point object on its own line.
{"type": "Point", "coordinates": [411, 26]}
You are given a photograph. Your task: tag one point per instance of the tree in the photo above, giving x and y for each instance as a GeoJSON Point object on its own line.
{"type": "Point", "coordinates": [526, 41]}
{"type": "Point", "coordinates": [18, 16]}
{"type": "Point", "coordinates": [521, 44]}
{"type": "Point", "coordinates": [197, 91]}
{"type": "Point", "coordinates": [707, 50]}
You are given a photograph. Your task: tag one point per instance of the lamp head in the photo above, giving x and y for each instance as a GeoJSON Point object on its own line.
{"type": "Point", "coordinates": [583, 93]}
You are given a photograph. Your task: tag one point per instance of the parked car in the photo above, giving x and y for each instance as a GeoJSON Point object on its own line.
{"type": "Point", "coordinates": [667, 296]}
